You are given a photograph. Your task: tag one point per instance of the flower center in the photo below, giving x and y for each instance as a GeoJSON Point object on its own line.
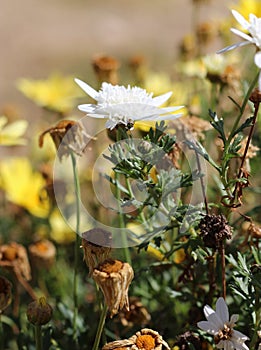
{"type": "Point", "coordinates": [224, 334]}
{"type": "Point", "coordinates": [110, 266]}
{"type": "Point", "coordinates": [146, 342]}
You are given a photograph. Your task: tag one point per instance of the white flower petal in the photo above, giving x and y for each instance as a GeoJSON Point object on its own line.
{"type": "Point", "coordinates": [208, 311]}
{"type": "Point", "coordinates": [241, 20]}
{"type": "Point", "coordinates": [242, 35]}
{"type": "Point", "coordinates": [222, 310]}
{"type": "Point", "coordinates": [234, 46]}
{"type": "Point", "coordinates": [87, 88]}
{"type": "Point", "coordinates": [159, 100]}
{"type": "Point", "coordinates": [258, 59]}
{"type": "Point", "coordinates": [207, 327]}
{"type": "Point", "coordinates": [238, 335]}
{"type": "Point", "coordinates": [233, 320]}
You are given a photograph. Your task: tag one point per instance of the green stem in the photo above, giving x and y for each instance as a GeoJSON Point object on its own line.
{"type": "Point", "coordinates": [223, 267]}
{"type": "Point", "coordinates": [76, 245]}
{"type": "Point", "coordinates": [121, 222]}
{"type": "Point", "coordinates": [100, 328]}
{"type": "Point", "coordinates": [1, 333]}
{"type": "Point", "coordinates": [38, 337]}
{"type": "Point", "coordinates": [242, 108]}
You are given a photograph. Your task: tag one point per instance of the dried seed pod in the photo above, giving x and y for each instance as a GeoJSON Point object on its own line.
{"type": "Point", "coordinates": [39, 312]}
{"type": "Point", "coordinates": [214, 229]}
{"type": "Point", "coordinates": [96, 244]}
{"type": "Point", "coordinates": [137, 314]}
{"type": "Point", "coordinates": [5, 293]}
{"type": "Point", "coordinates": [114, 278]}
{"type": "Point", "coordinates": [42, 254]}
{"type": "Point", "coordinates": [106, 69]}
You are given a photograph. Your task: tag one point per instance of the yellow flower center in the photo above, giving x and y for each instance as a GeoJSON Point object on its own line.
{"type": "Point", "coordinates": [146, 342]}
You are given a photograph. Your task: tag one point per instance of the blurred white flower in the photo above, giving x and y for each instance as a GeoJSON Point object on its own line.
{"type": "Point", "coordinates": [253, 27]}
{"type": "Point", "coordinates": [219, 325]}
{"type": "Point", "coordinates": [124, 106]}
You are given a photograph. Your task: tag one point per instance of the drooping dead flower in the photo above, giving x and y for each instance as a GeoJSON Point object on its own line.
{"type": "Point", "coordinates": [114, 278]}
{"type": "Point", "coordinates": [145, 339]}
{"type": "Point", "coordinates": [42, 254]}
{"type": "Point", "coordinates": [96, 244]}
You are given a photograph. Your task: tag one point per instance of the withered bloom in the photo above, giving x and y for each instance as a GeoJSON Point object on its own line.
{"type": "Point", "coordinates": [185, 340]}
{"type": "Point", "coordinates": [137, 314]}
{"type": "Point", "coordinates": [106, 69]}
{"type": "Point", "coordinates": [114, 278]}
{"type": "Point", "coordinates": [96, 244]}
{"type": "Point", "coordinates": [42, 254]}
{"type": "Point", "coordinates": [13, 256]}
{"type": "Point", "coordinates": [145, 339]}
{"type": "Point", "coordinates": [214, 229]}
{"type": "Point", "coordinates": [68, 136]}
{"type": "Point", "coordinates": [193, 125]}
{"type": "Point", "coordinates": [39, 312]}
{"type": "Point", "coordinates": [5, 293]}
{"type": "Point", "coordinates": [205, 32]}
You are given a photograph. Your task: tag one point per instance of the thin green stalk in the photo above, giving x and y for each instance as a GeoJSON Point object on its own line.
{"type": "Point", "coordinates": [122, 223]}
{"type": "Point", "coordinates": [38, 337]}
{"type": "Point", "coordinates": [242, 108]}
{"type": "Point", "coordinates": [223, 267]}
{"type": "Point", "coordinates": [1, 333]}
{"type": "Point", "coordinates": [100, 328]}
{"type": "Point", "coordinates": [76, 245]}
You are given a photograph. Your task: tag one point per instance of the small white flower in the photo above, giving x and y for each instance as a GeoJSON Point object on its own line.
{"type": "Point", "coordinates": [219, 325]}
{"type": "Point", "coordinates": [253, 26]}
{"type": "Point", "coordinates": [123, 105]}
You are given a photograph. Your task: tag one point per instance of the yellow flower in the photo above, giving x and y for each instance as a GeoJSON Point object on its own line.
{"type": "Point", "coordinates": [56, 93]}
{"type": "Point", "coordinates": [10, 134]}
{"type": "Point", "coordinates": [60, 231]}
{"type": "Point", "coordinates": [23, 186]}
{"type": "Point", "coordinates": [245, 7]}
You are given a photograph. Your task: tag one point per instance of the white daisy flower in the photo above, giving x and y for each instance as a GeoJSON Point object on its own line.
{"type": "Point", "coordinates": [123, 105]}
{"type": "Point", "coordinates": [253, 26]}
{"type": "Point", "coordinates": [219, 325]}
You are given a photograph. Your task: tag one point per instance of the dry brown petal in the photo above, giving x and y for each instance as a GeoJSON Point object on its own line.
{"type": "Point", "coordinates": [96, 244]}
{"type": "Point", "coordinates": [114, 278]}
{"type": "Point", "coordinates": [124, 344]}
{"type": "Point", "coordinates": [68, 136]}
{"type": "Point", "coordinates": [148, 339]}
{"type": "Point", "coordinates": [42, 253]}
{"type": "Point", "coordinates": [14, 256]}
{"type": "Point", "coordinates": [137, 314]}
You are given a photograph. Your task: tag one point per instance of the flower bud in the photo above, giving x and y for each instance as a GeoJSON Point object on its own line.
{"type": "Point", "coordinates": [39, 312]}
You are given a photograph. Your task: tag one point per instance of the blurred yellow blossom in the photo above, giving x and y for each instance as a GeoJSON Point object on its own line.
{"type": "Point", "coordinates": [60, 231]}
{"type": "Point", "coordinates": [24, 186]}
{"type": "Point", "coordinates": [245, 7]}
{"type": "Point", "coordinates": [11, 134]}
{"type": "Point", "coordinates": [56, 93]}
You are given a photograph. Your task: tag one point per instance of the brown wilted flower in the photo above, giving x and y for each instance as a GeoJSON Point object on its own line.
{"type": "Point", "coordinates": [96, 244]}
{"type": "Point", "coordinates": [185, 340]}
{"type": "Point", "coordinates": [255, 97]}
{"type": "Point", "coordinates": [137, 314]}
{"type": "Point", "coordinates": [42, 254]}
{"type": "Point", "coordinates": [114, 278]}
{"type": "Point", "coordinates": [251, 152]}
{"type": "Point", "coordinates": [106, 69]}
{"type": "Point", "coordinates": [214, 229]}
{"type": "Point", "coordinates": [13, 256]}
{"type": "Point", "coordinates": [68, 136]}
{"type": "Point", "coordinates": [195, 126]}
{"type": "Point", "coordinates": [39, 312]}
{"type": "Point", "coordinates": [145, 339]}
{"type": "Point", "coordinates": [5, 293]}
{"type": "Point", "coordinates": [205, 33]}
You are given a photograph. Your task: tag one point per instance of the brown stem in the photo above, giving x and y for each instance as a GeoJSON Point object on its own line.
{"type": "Point", "coordinates": [240, 173]}
{"type": "Point", "coordinates": [212, 277]}
{"type": "Point", "coordinates": [26, 285]}
{"type": "Point", "coordinates": [223, 267]}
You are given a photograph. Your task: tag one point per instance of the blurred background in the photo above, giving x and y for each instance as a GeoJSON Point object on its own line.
{"type": "Point", "coordinates": [40, 37]}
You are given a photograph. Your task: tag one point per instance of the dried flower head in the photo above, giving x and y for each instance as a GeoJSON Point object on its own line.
{"type": "Point", "coordinates": [5, 293]}
{"type": "Point", "coordinates": [185, 340]}
{"type": "Point", "coordinates": [214, 229]}
{"type": "Point", "coordinates": [114, 278]}
{"type": "Point", "coordinates": [39, 312]}
{"type": "Point", "coordinates": [68, 136]}
{"type": "Point", "coordinates": [106, 68]}
{"type": "Point", "coordinates": [137, 314]}
{"type": "Point", "coordinates": [96, 244]}
{"type": "Point", "coordinates": [42, 254]}
{"type": "Point", "coordinates": [14, 256]}
{"type": "Point", "coordinates": [145, 339]}
{"type": "Point", "coordinates": [205, 33]}
{"type": "Point", "coordinates": [193, 125]}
